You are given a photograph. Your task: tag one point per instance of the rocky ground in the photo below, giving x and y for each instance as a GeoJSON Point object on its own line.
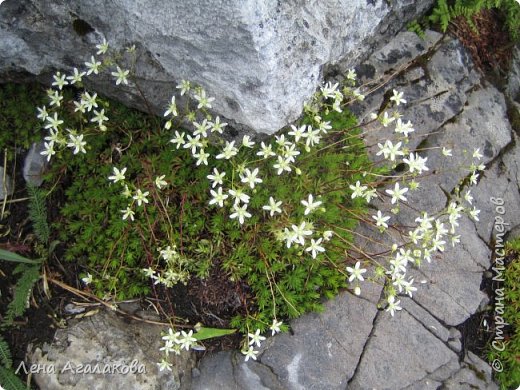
{"type": "Point", "coordinates": [354, 344]}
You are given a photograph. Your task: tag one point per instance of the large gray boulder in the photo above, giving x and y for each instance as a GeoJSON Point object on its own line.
{"type": "Point", "coordinates": [260, 59]}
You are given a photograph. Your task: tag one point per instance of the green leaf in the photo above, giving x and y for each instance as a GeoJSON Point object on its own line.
{"type": "Point", "coordinates": [16, 258]}
{"type": "Point", "coordinates": [210, 333]}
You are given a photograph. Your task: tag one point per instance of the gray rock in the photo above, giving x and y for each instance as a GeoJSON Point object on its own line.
{"type": "Point", "coordinates": [325, 348]}
{"type": "Point", "coordinates": [105, 340]}
{"type": "Point", "coordinates": [452, 289]}
{"type": "Point", "coordinates": [260, 59]}
{"type": "Point", "coordinates": [228, 370]}
{"type": "Point", "coordinates": [500, 182]}
{"type": "Point", "coordinates": [437, 94]}
{"type": "Point", "coordinates": [513, 78]}
{"type": "Point", "coordinates": [474, 374]}
{"type": "Point", "coordinates": [34, 165]}
{"type": "Point", "coordinates": [483, 125]}
{"type": "Point", "coordinates": [399, 353]}
{"type": "Point", "coordinates": [6, 184]}
{"type": "Point", "coordinates": [426, 319]}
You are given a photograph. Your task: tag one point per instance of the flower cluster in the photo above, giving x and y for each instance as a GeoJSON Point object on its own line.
{"type": "Point", "coordinates": [88, 112]}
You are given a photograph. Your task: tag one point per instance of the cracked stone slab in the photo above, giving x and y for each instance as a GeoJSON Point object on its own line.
{"type": "Point", "coordinates": [227, 370]}
{"type": "Point", "coordinates": [452, 289]}
{"type": "Point", "coordinates": [483, 124]}
{"type": "Point", "coordinates": [399, 353]}
{"type": "Point", "coordinates": [474, 374]}
{"type": "Point", "coordinates": [426, 319]}
{"type": "Point", "coordinates": [324, 349]}
{"type": "Point", "coordinates": [500, 181]}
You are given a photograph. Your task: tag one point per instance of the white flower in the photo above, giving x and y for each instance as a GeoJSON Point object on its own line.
{"type": "Point", "coordinates": [149, 272]}
{"type": "Point", "coordinates": [357, 190]}
{"type": "Point", "coordinates": [298, 132]}
{"type": "Point", "coordinates": [204, 102]}
{"type": "Point", "coordinates": [202, 157]}
{"type": "Point", "coordinates": [93, 66]}
{"type": "Point", "coordinates": [59, 80]}
{"type": "Point", "coordinates": [42, 113]}
{"type": "Point", "coordinates": [201, 128]}
{"type": "Point", "coordinates": [89, 101]}
{"type": "Point", "coordinates": [55, 98]}
{"type": "Point", "coordinates": [140, 197]}
{"type": "Point", "coordinates": [473, 178]}
{"type": "Point", "coordinates": [267, 151]}
{"type": "Point", "coordinates": [386, 120]}
{"type": "Point", "coordinates": [468, 197]}
{"type": "Point", "coordinates": [53, 122]}
{"type": "Point", "coordinates": [128, 213]}
{"type": "Point", "coordinates": [290, 153]}
{"type": "Point", "coordinates": [87, 279]}
{"type": "Point", "coordinates": [178, 140]}
{"type": "Point", "coordinates": [99, 117]}
{"type": "Point", "coordinates": [229, 151]}
{"type": "Point", "coordinates": [324, 127]}
{"type": "Point", "coordinates": [281, 141]}
{"type": "Point", "coordinates": [119, 175]}
{"type": "Point", "coordinates": [48, 150]}
{"type": "Point", "coordinates": [217, 127]}
{"type": "Point", "coordinates": [240, 213]}
{"type": "Point", "coordinates": [299, 233]}
{"type": "Point", "coordinates": [273, 206]}
{"type": "Point", "coordinates": [164, 364]}
{"type": "Point", "coordinates": [351, 75]}
{"type": "Point", "coordinates": [393, 306]}
{"type": "Point", "coordinates": [160, 183]}
{"type": "Point", "coordinates": [389, 150]}
{"type": "Point", "coordinates": [313, 137]}
{"type": "Point", "coordinates": [416, 163]}
{"type": "Point", "coordinates": [187, 340]}
{"type": "Point", "coordinates": [477, 154]}
{"type": "Point", "coordinates": [329, 90]}
{"type": "Point", "coordinates": [250, 353]}
{"type": "Point", "coordinates": [356, 272]}
{"type": "Point", "coordinates": [310, 204]}
{"type": "Point", "coordinates": [255, 338]}
{"type": "Point", "coordinates": [474, 213]}
{"type": "Point", "coordinates": [327, 235]}
{"type": "Point", "coordinates": [404, 128]}
{"type": "Point", "coordinates": [247, 142]}
{"type": "Point", "coordinates": [446, 152]}
{"type": "Point", "coordinates": [76, 142]}
{"type": "Point", "coordinates": [250, 178]}
{"type": "Point", "coordinates": [184, 86]}
{"type": "Point", "coordinates": [397, 193]}
{"type": "Point", "coordinates": [369, 194]}
{"type": "Point", "coordinates": [121, 76]}
{"type": "Point", "coordinates": [102, 47]}
{"type": "Point", "coordinates": [239, 196]}
{"type": "Point", "coordinates": [282, 165]}
{"type": "Point", "coordinates": [315, 247]}
{"type": "Point", "coordinates": [76, 77]}
{"type": "Point", "coordinates": [216, 178]}
{"type": "Point", "coordinates": [380, 219]}
{"type": "Point", "coordinates": [275, 327]}
{"type": "Point", "coordinates": [172, 108]}
{"type": "Point", "coordinates": [218, 197]}
{"type": "Point", "coordinates": [398, 98]}
{"type": "Point", "coordinates": [193, 143]}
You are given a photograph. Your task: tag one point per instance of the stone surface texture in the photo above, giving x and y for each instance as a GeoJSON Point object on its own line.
{"type": "Point", "coordinates": [260, 59]}
{"type": "Point", "coordinates": [107, 340]}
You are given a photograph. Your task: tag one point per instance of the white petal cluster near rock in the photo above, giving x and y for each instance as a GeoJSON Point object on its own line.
{"type": "Point", "coordinates": [260, 59]}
